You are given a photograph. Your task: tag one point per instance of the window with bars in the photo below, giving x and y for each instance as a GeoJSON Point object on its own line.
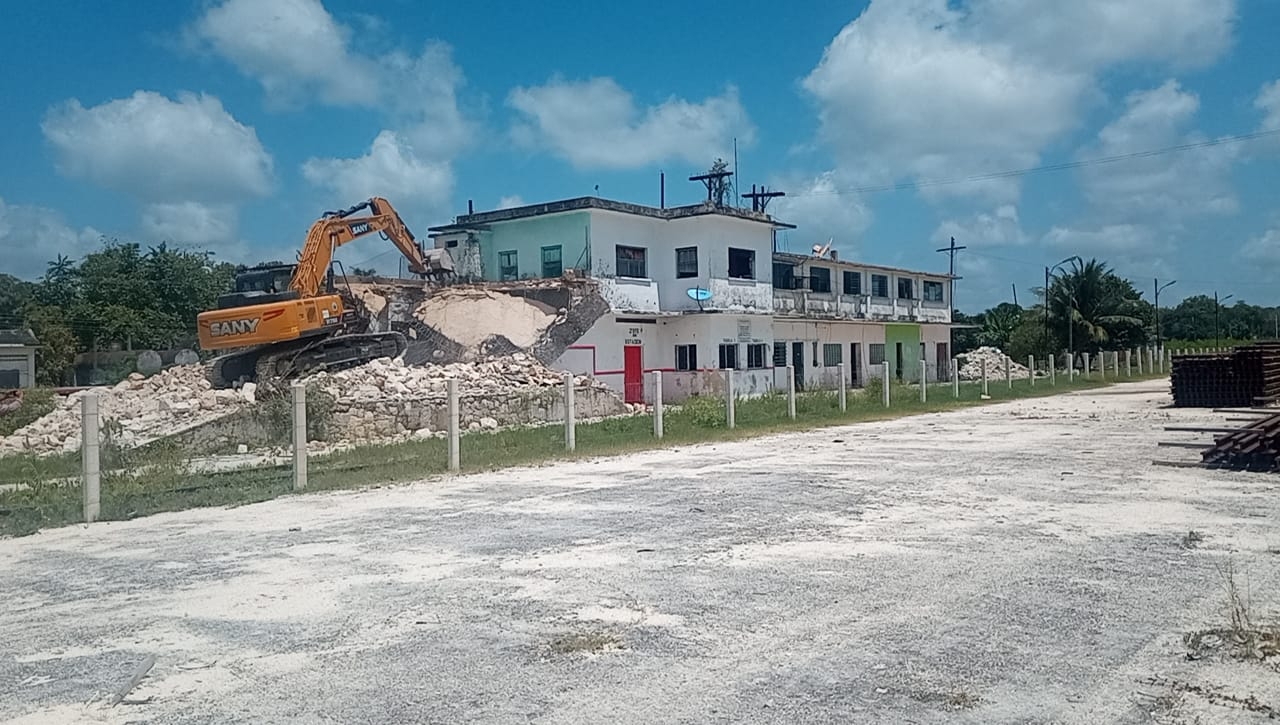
{"type": "Point", "coordinates": [756, 354]}
{"type": "Point", "coordinates": [686, 262]}
{"type": "Point", "coordinates": [832, 354]}
{"type": "Point", "coordinates": [779, 354]}
{"type": "Point", "coordinates": [784, 275]}
{"type": "Point", "coordinates": [631, 261]}
{"type": "Point", "coordinates": [932, 291]}
{"type": "Point", "coordinates": [906, 288]}
{"type": "Point", "coordinates": [819, 279]}
{"type": "Point", "coordinates": [686, 357]}
{"type": "Point", "coordinates": [852, 282]}
{"type": "Point", "coordinates": [728, 357]}
{"type": "Point", "coordinates": [879, 285]}
{"type": "Point", "coordinates": [508, 268]}
{"type": "Point", "coordinates": [875, 353]}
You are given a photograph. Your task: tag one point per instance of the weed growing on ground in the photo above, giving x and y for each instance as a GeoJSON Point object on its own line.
{"type": "Point", "coordinates": [1242, 638]}
{"type": "Point", "coordinates": [586, 643]}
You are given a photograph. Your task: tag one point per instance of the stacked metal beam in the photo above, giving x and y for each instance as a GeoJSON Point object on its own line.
{"type": "Point", "coordinates": [1255, 448]}
{"type": "Point", "coordinates": [1248, 375]}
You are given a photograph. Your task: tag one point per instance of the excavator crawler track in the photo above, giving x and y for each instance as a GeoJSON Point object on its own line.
{"type": "Point", "coordinates": [272, 366]}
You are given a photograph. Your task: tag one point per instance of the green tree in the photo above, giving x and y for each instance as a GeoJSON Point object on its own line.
{"type": "Point", "coordinates": [1092, 309]}
{"type": "Point", "coordinates": [998, 324]}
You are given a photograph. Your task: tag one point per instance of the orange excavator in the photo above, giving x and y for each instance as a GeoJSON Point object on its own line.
{"type": "Point", "coordinates": [286, 321]}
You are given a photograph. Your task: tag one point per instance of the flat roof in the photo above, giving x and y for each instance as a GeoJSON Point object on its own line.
{"type": "Point", "coordinates": [809, 258]}
{"type": "Point", "coordinates": [480, 220]}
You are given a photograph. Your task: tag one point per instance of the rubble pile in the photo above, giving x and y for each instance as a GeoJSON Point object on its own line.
{"type": "Point", "coordinates": [146, 408]}
{"type": "Point", "coordinates": [971, 365]}
{"type": "Point", "coordinates": [387, 399]}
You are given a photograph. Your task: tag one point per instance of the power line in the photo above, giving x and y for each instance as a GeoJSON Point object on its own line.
{"type": "Point", "coordinates": [1064, 166]}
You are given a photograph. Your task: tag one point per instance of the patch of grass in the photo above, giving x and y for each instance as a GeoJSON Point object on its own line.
{"type": "Point", "coordinates": [36, 403]}
{"type": "Point", "coordinates": [159, 478]}
{"type": "Point", "coordinates": [1242, 638]}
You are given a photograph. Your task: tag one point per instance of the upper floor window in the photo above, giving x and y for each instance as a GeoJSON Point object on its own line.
{"type": "Point", "coordinates": [852, 282]}
{"type": "Point", "coordinates": [932, 291]}
{"type": "Point", "coordinates": [906, 288]}
{"type": "Point", "coordinates": [820, 279]}
{"type": "Point", "coordinates": [552, 263]}
{"type": "Point", "coordinates": [879, 285]}
{"type": "Point", "coordinates": [508, 268]}
{"type": "Point", "coordinates": [631, 261]}
{"type": "Point", "coordinates": [784, 275]}
{"type": "Point", "coordinates": [742, 263]}
{"type": "Point", "coordinates": [686, 262]}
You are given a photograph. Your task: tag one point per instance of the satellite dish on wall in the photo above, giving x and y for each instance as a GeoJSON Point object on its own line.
{"type": "Point", "coordinates": [698, 295]}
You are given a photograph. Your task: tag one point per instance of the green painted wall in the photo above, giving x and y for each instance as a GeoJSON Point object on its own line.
{"type": "Point", "coordinates": [527, 237]}
{"type": "Point", "coordinates": [909, 336]}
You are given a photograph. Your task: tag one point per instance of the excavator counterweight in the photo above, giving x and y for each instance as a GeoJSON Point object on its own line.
{"type": "Point", "coordinates": [286, 321]}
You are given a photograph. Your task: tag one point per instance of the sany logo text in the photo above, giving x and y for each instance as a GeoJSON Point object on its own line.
{"type": "Point", "coordinates": [234, 327]}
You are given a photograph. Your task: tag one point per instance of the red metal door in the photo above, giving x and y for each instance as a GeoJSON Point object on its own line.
{"type": "Point", "coordinates": [633, 373]}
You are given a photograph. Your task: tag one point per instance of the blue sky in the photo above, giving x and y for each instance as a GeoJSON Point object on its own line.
{"type": "Point", "coordinates": [230, 124]}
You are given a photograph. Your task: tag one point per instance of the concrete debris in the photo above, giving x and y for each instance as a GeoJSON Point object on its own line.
{"type": "Point", "coordinates": [470, 316]}
{"type": "Point", "coordinates": [146, 408]}
{"type": "Point", "coordinates": [394, 380]}
{"type": "Point", "coordinates": [971, 365]}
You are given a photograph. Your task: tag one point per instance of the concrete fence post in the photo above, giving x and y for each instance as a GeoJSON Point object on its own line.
{"type": "Point", "coordinates": [1128, 364]}
{"type": "Point", "coordinates": [1031, 370]}
{"type": "Point", "coordinates": [885, 388]}
{"type": "Point", "coordinates": [924, 381]}
{"type": "Point", "coordinates": [1008, 371]}
{"type": "Point", "coordinates": [844, 405]}
{"type": "Point", "coordinates": [1137, 353]}
{"type": "Point", "coordinates": [955, 378]}
{"type": "Point", "coordinates": [91, 479]}
{"type": "Point", "coordinates": [728, 398]}
{"type": "Point", "coordinates": [985, 391]}
{"type": "Point", "coordinates": [1115, 364]}
{"type": "Point", "coordinates": [1053, 370]}
{"type": "Point", "coordinates": [455, 452]}
{"type": "Point", "coordinates": [570, 415]}
{"type": "Point", "coordinates": [657, 403]}
{"type": "Point", "coordinates": [1161, 353]}
{"type": "Point", "coordinates": [791, 392]}
{"type": "Point", "coordinates": [1102, 364]}
{"type": "Point", "coordinates": [1084, 359]}
{"type": "Point", "coordinates": [299, 393]}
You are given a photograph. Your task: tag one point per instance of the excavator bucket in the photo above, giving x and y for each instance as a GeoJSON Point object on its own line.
{"type": "Point", "coordinates": [439, 263]}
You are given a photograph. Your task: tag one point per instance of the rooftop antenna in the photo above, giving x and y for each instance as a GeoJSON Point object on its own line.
{"type": "Point", "coordinates": [716, 181]}
{"type": "Point", "coordinates": [760, 199]}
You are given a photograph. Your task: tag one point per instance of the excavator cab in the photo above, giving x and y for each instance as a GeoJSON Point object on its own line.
{"type": "Point", "coordinates": [260, 285]}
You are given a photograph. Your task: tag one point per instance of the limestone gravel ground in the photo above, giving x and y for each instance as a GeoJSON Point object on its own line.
{"type": "Point", "coordinates": [1021, 562]}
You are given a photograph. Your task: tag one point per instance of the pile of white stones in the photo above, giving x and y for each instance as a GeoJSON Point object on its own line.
{"type": "Point", "coordinates": [387, 380]}
{"type": "Point", "coordinates": [146, 408]}
{"type": "Point", "coordinates": [971, 365]}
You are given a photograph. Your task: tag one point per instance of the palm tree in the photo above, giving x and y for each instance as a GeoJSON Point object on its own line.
{"type": "Point", "coordinates": [1098, 304]}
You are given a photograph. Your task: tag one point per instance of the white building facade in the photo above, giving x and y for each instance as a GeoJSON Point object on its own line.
{"type": "Point", "coordinates": [695, 290]}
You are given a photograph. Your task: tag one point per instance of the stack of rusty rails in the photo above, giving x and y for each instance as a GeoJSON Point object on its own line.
{"type": "Point", "coordinates": [1253, 448]}
{"type": "Point", "coordinates": [1246, 376]}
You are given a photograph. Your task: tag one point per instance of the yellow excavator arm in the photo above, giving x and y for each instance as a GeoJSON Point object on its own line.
{"type": "Point", "coordinates": [337, 228]}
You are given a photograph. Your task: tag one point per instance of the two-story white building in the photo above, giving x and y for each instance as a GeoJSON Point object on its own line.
{"type": "Point", "coordinates": [694, 290]}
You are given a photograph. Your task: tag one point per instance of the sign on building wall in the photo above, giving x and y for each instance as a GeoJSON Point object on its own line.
{"type": "Point", "coordinates": [744, 330]}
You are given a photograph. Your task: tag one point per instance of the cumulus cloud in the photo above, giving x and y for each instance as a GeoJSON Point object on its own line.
{"type": "Point", "coordinates": [510, 202]}
{"type": "Point", "coordinates": [597, 124]}
{"type": "Point", "coordinates": [156, 149]}
{"type": "Point", "coordinates": [820, 213]}
{"type": "Point", "coordinates": [927, 89]}
{"type": "Point", "coordinates": [997, 228]}
{"type": "Point", "coordinates": [33, 235]}
{"type": "Point", "coordinates": [1263, 249]}
{"type": "Point", "coordinates": [190, 222]}
{"type": "Point", "coordinates": [391, 169]}
{"type": "Point", "coordinates": [294, 48]}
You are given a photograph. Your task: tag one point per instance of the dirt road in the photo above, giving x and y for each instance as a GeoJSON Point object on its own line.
{"type": "Point", "coordinates": [1021, 562]}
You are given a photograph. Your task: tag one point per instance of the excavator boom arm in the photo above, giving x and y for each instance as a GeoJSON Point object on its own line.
{"type": "Point", "coordinates": [340, 227]}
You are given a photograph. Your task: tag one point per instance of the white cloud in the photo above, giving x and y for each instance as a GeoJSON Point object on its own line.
{"type": "Point", "coordinates": [510, 202]}
{"type": "Point", "coordinates": [31, 236]}
{"type": "Point", "coordinates": [160, 150]}
{"type": "Point", "coordinates": [928, 89]}
{"type": "Point", "coordinates": [1111, 239]}
{"type": "Point", "coordinates": [422, 90]}
{"type": "Point", "coordinates": [1156, 189]}
{"type": "Point", "coordinates": [1264, 249]}
{"type": "Point", "coordinates": [391, 169]}
{"type": "Point", "coordinates": [998, 228]}
{"type": "Point", "coordinates": [820, 213]}
{"type": "Point", "coordinates": [596, 124]}
{"type": "Point", "coordinates": [1268, 101]}
{"type": "Point", "coordinates": [293, 47]}
{"type": "Point", "coordinates": [190, 222]}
